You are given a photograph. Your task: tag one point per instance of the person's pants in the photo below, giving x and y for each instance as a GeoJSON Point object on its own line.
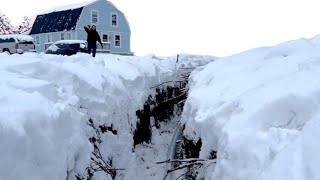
{"type": "Point", "coordinates": [93, 48]}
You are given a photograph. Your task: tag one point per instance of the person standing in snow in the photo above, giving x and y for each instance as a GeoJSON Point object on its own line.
{"type": "Point", "coordinates": [92, 38]}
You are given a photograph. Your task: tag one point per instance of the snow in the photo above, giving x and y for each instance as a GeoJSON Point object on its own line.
{"type": "Point", "coordinates": [260, 111]}
{"type": "Point", "coordinates": [17, 37]}
{"type": "Point", "coordinates": [74, 6]}
{"type": "Point", "coordinates": [69, 41]}
{"type": "Point", "coordinates": [46, 102]}
{"type": "Point", "coordinates": [68, 7]}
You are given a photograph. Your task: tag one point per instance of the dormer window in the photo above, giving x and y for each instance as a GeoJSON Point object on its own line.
{"type": "Point", "coordinates": [114, 20]}
{"type": "Point", "coordinates": [94, 17]}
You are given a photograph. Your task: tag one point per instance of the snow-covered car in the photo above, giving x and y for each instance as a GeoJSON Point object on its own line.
{"type": "Point", "coordinates": [67, 47]}
{"type": "Point", "coordinates": [16, 43]}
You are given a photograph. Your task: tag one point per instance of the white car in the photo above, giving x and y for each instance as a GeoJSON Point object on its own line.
{"type": "Point", "coordinates": [16, 43]}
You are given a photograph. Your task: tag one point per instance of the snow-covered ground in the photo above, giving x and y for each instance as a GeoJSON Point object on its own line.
{"type": "Point", "coordinates": [260, 110]}
{"type": "Point", "coordinates": [47, 103]}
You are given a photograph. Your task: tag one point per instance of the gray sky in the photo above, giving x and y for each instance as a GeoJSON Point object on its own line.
{"type": "Point", "coordinates": [214, 27]}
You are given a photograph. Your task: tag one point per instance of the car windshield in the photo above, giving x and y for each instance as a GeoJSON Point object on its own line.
{"type": "Point", "coordinates": [62, 45]}
{"type": "Point", "coordinates": [6, 40]}
{"type": "Point", "coordinates": [74, 46]}
{"type": "Point", "coordinates": [26, 42]}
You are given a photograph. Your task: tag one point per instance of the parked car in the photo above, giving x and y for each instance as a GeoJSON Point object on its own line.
{"type": "Point", "coordinates": [67, 47]}
{"type": "Point", "coordinates": [16, 43]}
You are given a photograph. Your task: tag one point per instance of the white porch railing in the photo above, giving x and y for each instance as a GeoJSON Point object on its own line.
{"type": "Point", "coordinates": [106, 47]}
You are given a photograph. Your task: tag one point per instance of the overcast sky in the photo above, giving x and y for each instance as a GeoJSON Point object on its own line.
{"type": "Point", "coordinates": [213, 27]}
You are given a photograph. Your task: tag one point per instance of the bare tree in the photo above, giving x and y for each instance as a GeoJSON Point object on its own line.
{"type": "Point", "coordinates": [5, 24]}
{"type": "Point", "coordinates": [24, 26]}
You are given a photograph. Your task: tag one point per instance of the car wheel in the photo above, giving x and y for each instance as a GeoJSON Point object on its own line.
{"type": "Point", "coordinates": [7, 51]}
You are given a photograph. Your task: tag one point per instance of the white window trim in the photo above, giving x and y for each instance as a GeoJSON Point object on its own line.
{"type": "Point", "coordinates": [114, 40]}
{"type": "Point", "coordinates": [37, 44]}
{"type": "Point", "coordinates": [49, 35]}
{"type": "Point", "coordinates": [117, 19]}
{"type": "Point", "coordinates": [97, 17]}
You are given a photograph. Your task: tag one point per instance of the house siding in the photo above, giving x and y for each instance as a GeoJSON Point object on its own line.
{"type": "Point", "coordinates": [104, 26]}
{"type": "Point", "coordinates": [55, 36]}
{"type": "Point", "coordinates": [105, 9]}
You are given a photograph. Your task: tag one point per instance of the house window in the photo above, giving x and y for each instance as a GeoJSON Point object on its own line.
{"type": "Point", "coordinates": [94, 17]}
{"type": "Point", "coordinates": [114, 20]}
{"type": "Point", "coordinates": [62, 36]}
{"type": "Point", "coordinates": [37, 40]}
{"type": "Point", "coordinates": [68, 36]}
{"type": "Point", "coordinates": [49, 37]}
{"type": "Point", "coordinates": [105, 38]}
{"type": "Point", "coordinates": [117, 40]}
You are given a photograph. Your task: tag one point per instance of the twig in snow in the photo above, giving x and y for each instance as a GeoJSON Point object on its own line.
{"type": "Point", "coordinates": [166, 82]}
{"type": "Point", "coordinates": [189, 164]}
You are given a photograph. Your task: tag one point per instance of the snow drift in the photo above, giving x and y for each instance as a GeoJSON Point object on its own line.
{"type": "Point", "coordinates": [59, 114]}
{"type": "Point", "coordinates": [260, 111]}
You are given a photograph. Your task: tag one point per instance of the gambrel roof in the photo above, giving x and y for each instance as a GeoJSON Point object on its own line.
{"type": "Point", "coordinates": [69, 7]}
{"type": "Point", "coordinates": [59, 18]}
{"type": "Point", "coordinates": [56, 21]}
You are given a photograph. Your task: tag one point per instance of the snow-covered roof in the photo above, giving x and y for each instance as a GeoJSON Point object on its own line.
{"type": "Point", "coordinates": [59, 18]}
{"type": "Point", "coordinates": [69, 41]}
{"type": "Point", "coordinates": [56, 21]}
{"type": "Point", "coordinates": [62, 18]}
{"type": "Point", "coordinates": [17, 37]}
{"type": "Point", "coordinates": [68, 7]}
{"type": "Point", "coordinates": [74, 6]}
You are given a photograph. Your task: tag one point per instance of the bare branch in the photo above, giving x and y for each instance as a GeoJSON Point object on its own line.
{"type": "Point", "coordinates": [173, 98]}
{"type": "Point", "coordinates": [182, 101]}
{"type": "Point", "coordinates": [192, 163]}
{"type": "Point", "coordinates": [197, 164]}
{"type": "Point", "coordinates": [181, 160]}
{"type": "Point", "coordinates": [166, 82]}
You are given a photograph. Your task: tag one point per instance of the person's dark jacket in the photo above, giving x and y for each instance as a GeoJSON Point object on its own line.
{"type": "Point", "coordinates": [93, 36]}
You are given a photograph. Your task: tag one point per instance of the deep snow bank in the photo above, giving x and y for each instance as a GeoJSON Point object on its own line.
{"type": "Point", "coordinates": [260, 111]}
{"type": "Point", "coordinates": [57, 111]}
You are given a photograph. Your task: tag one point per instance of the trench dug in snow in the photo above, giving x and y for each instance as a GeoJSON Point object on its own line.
{"type": "Point", "coordinates": [112, 117]}
{"type": "Point", "coordinates": [167, 102]}
{"type": "Point", "coordinates": [158, 133]}
{"type": "Point", "coordinates": [93, 119]}
{"type": "Point", "coordinates": [164, 109]}
{"type": "Point", "coordinates": [160, 117]}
